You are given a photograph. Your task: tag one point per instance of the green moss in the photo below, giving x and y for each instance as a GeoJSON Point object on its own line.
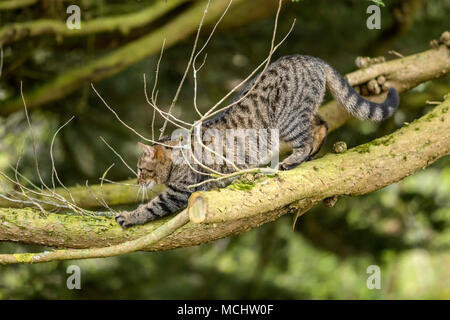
{"type": "Point", "coordinates": [430, 117]}
{"type": "Point", "coordinates": [242, 185]}
{"type": "Point", "coordinates": [384, 141]}
{"type": "Point", "coordinates": [24, 257]}
{"type": "Point", "coordinates": [364, 148]}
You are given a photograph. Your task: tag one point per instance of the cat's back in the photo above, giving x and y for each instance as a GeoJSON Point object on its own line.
{"type": "Point", "coordinates": [280, 84]}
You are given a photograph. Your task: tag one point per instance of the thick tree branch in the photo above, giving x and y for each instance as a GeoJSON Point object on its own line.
{"type": "Point", "coordinates": [358, 171]}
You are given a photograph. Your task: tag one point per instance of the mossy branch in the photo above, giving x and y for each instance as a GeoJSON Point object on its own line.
{"type": "Point", "coordinates": [15, 4]}
{"type": "Point", "coordinates": [123, 23]}
{"type": "Point", "coordinates": [121, 193]}
{"type": "Point", "coordinates": [126, 247]}
{"type": "Point", "coordinates": [229, 211]}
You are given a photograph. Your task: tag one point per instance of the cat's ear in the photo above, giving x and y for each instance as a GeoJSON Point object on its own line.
{"type": "Point", "coordinates": [148, 150]}
{"type": "Point", "coordinates": [159, 153]}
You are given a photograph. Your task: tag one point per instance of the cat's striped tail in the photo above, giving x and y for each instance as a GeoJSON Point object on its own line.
{"type": "Point", "coordinates": [359, 107]}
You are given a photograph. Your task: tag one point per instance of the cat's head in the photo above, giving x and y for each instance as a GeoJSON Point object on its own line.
{"type": "Point", "coordinates": [154, 165]}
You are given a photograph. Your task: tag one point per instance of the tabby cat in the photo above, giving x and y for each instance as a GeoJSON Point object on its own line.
{"type": "Point", "coordinates": [286, 97]}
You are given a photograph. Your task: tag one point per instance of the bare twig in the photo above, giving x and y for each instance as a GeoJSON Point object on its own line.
{"type": "Point", "coordinates": [54, 171]}
{"type": "Point", "coordinates": [195, 69]}
{"type": "Point", "coordinates": [1, 60]}
{"type": "Point", "coordinates": [123, 123]}
{"type": "Point", "coordinates": [167, 116]}
{"type": "Point", "coordinates": [395, 53]}
{"type": "Point", "coordinates": [36, 163]}
{"type": "Point", "coordinates": [119, 156]}
{"type": "Point", "coordinates": [154, 92]}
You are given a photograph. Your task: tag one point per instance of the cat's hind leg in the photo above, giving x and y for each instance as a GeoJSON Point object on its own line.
{"type": "Point", "coordinates": [301, 141]}
{"type": "Point", "coordinates": [300, 153]}
{"type": "Point", "coordinates": [306, 144]}
{"type": "Point", "coordinates": [319, 134]}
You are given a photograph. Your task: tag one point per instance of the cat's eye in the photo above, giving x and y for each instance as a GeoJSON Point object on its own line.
{"type": "Point", "coordinates": [144, 169]}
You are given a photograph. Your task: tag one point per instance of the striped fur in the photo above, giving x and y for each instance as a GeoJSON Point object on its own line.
{"type": "Point", "coordinates": [286, 97]}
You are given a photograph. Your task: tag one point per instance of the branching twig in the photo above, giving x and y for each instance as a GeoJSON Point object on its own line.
{"type": "Point", "coordinates": [119, 156]}
{"type": "Point", "coordinates": [180, 86]}
{"type": "Point", "coordinates": [54, 171]}
{"type": "Point", "coordinates": [124, 123]}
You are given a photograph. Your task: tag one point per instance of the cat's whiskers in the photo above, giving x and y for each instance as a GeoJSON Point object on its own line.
{"type": "Point", "coordinates": [138, 193]}
{"type": "Point", "coordinates": [144, 194]}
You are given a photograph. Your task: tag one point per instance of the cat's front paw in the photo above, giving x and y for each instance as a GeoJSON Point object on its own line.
{"type": "Point", "coordinates": [286, 166]}
{"type": "Point", "coordinates": [125, 220]}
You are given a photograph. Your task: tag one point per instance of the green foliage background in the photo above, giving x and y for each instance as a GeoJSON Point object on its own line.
{"type": "Point", "coordinates": [402, 228]}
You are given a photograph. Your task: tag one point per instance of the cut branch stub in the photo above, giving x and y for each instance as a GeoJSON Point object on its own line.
{"type": "Point", "coordinates": [197, 209]}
